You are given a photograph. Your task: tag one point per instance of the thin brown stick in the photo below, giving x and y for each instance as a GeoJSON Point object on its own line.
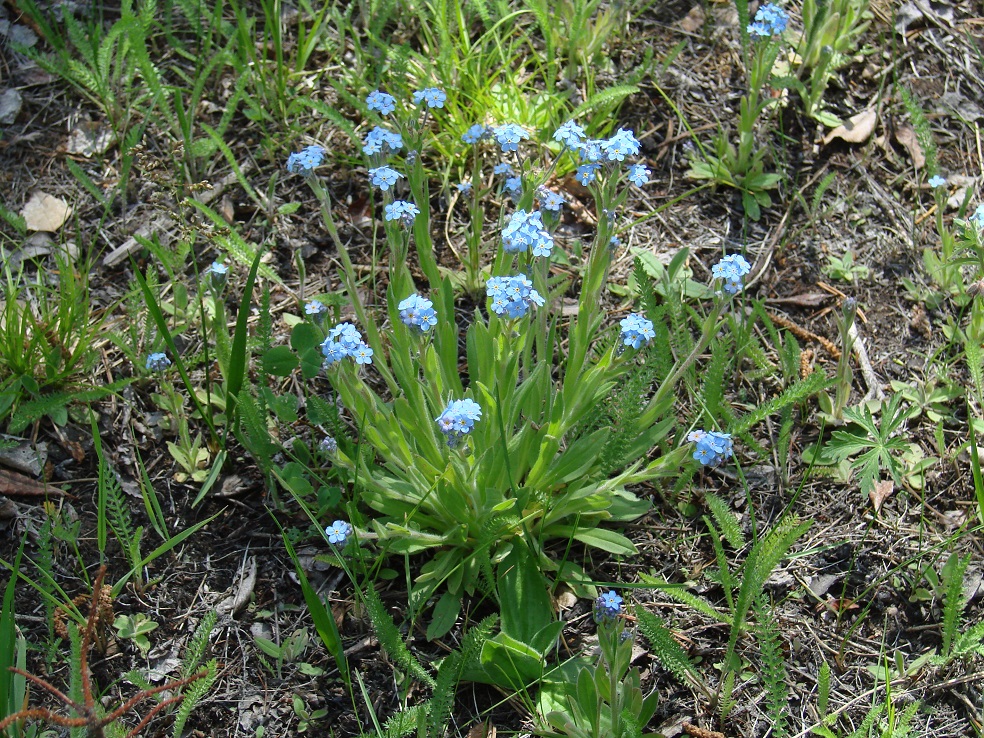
{"type": "Point", "coordinates": [42, 713]}
{"type": "Point", "coordinates": [44, 685]}
{"type": "Point", "coordinates": [145, 693]}
{"type": "Point", "coordinates": [150, 715]}
{"type": "Point", "coordinates": [90, 630]}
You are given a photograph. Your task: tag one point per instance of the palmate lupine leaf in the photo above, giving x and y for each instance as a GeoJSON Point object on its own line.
{"type": "Point", "coordinates": [873, 444]}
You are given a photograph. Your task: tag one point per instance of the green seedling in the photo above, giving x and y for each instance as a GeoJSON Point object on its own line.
{"type": "Point", "coordinates": [135, 628]}
{"type": "Point", "coordinates": [306, 719]}
{"type": "Point", "coordinates": [846, 269]}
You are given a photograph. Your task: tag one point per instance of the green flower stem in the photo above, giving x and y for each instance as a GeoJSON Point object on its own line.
{"type": "Point", "coordinates": [351, 286]}
{"type": "Point", "coordinates": [613, 684]}
{"type": "Point", "coordinates": [712, 325]}
{"type": "Point", "coordinates": [421, 224]}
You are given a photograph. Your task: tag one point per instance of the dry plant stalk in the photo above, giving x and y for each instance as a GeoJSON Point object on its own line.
{"type": "Point", "coordinates": [87, 717]}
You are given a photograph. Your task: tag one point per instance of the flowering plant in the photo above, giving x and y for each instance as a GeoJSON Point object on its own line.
{"type": "Point", "coordinates": [472, 454]}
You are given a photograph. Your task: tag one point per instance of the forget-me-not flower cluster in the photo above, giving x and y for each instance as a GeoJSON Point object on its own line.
{"type": "Point", "coordinates": [379, 139]}
{"type": "Point", "coordinates": [345, 340]}
{"type": "Point", "coordinates": [384, 177]}
{"type": "Point", "coordinates": [474, 134]}
{"type": "Point", "coordinates": [620, 145]}
{"type": "Point", "coordinates": [594, 153]}
{"type": "Point", "coordinates": [434, 97]}
{"type": "Point", "coordinates": [512, 296]}
{"type": "Point", "coordinates": [157, 362]}
{"type": "Point", "coordinates": [418, 312]}
{"type": "Point", "coordinates": [328, 445]}
{"type": "Point", "coordinates": [712, 447]}
{"type": "Point", "coordinates": [770, 20]}
{"type": "Point", "coordinates": [525, 232]}
{"type": "Point", "coordinates": [607, 607]}
{"type": "Point", "coordinates": [732, 269]}
{"type": "Point", "coordinates": [570, 134]}
{"type": "Point", "coordinates": [381, 101]}
{"type": "Point", "coordinates": [504, 168]}
{"type": "Point", "coordinates": [458, 419]}
{"type": "Point", "coordinates": [636, 330]}
{"type": "Point", "coordinates": [401, 210]}
{"type": "Point", "coordinates": [306, 160]}
{"type": "Point", "coordinates": [936, 181]}
{"type": "Point", "coordinates": [509, 135]}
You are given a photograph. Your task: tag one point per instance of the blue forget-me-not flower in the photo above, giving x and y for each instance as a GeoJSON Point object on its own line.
{"type": "Point", "coordinates": [401, 210]}
{"type": "Point", "coordinates": [586, 173]}
{"type": "Point", "coordinates": [620, 145]}
{"type": "Point", "coordinates": [712, 447]}
{"type": "Point", "coordinates": [381, 101]}
{"type": "Point", "coordinates": [379, 138]}
{"type": "Point", "coordinates": [638, 175]}
{"type": "Point", "coordinates": [570, 134]}
{"type": "Point", "coordinates": [384, 177]}
{"type": "Point", "coordinates": [607, 607]}
{"type": "Point", "coordinates": [345, 340]}
{"type": "Point", "coordinates": [550, 200]}
{"type": "Point", "coordinates": [418, 312]}
{"type": "Point", "coordinates": [338, 532]}
{"type": "Point", "coordinates": [978, 217]}
{"type": "Point", "coordinates": [636, 330]}
{"type": "Point", "coordinates": [306, 160]}
{"type": "Point", "coordinates": [217, 274]}
{"type": "Point", "coordinates": [474, 134]}
{"type": "Point", "coordinates": [458, 419]}
{"type": "Point", "coordinates": [732, 269]}
{"type": "Point", "coordinates": [513, 185]}
{"type": "Point", "coordinates": [509, 136]}
{"type": "Point", "coordinates": [770, 20]}
{"type": "Point", "coordinates": [434, 97]}
{"type": "Point", "coordinates": [512, 296]}
{"type": "Point", "coordinates": [936, 181]}
{"type": "Point", "coordinates": [157, 362]}
{"type": "Point", "coordinates": [525, 232]}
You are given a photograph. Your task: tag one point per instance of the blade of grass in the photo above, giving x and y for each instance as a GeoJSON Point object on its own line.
{"type": "Point", "coordinates": [975, 465]}
{"type": "Point", "coordinates": [324, 623]}
{"type": "Point", "coordinates": [9, 698]}
{"type": "Point", "coordinates": [213, 475]}
{"type": "Point", "coordinates": [152, 505]}
{"type": "Point", "coordinates": [237, 360]}
{"type": "Point", "coordinates": [155, 312]}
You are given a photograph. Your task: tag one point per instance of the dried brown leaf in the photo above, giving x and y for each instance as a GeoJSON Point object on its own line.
{"type": "Point", "coordinates": [881, 492]}
{"type": "Point", "coordinates": [857, 129]}
{"type": "Point", "coordinates": [44, 212]}
{"type": "Point", "coordinates": [906, 137]}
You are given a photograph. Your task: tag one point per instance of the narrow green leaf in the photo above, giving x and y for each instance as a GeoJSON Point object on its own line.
{"type": "Point", "coordinates": [237, 360]}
